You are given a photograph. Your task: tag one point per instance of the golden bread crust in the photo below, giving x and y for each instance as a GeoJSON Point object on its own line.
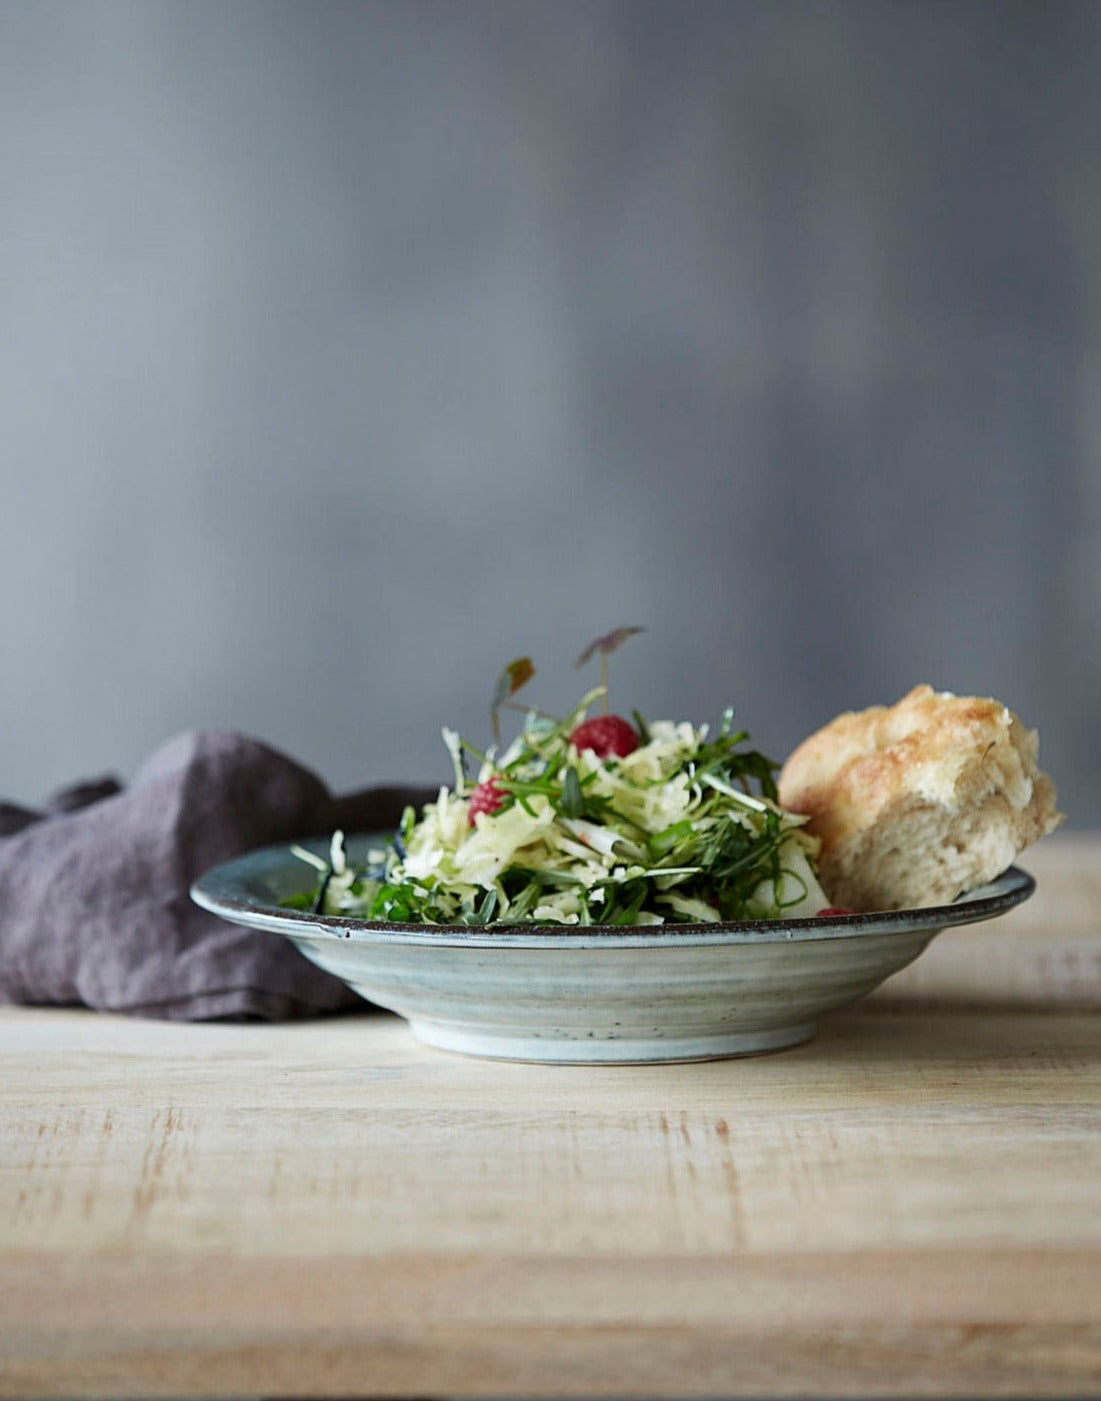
{"type": "Point", "coordinates": [916, 802]}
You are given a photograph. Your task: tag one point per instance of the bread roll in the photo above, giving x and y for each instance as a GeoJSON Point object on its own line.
{"type": "Point", "coordinates": [917, 802]}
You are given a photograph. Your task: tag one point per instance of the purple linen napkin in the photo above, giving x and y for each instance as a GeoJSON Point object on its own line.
{"type": "Point", "coordinates": [94, 903]}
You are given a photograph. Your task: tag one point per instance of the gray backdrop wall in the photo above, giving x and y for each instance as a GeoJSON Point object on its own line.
{"type": "Point", "coordinates": [349, 350]}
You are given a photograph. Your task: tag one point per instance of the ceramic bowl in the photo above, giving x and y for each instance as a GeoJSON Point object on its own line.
{"type": "Point", "coordinates": [596, 994]}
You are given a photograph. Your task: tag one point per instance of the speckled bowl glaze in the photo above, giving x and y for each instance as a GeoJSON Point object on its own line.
{"type": "Point", "coordinates": [596, 994]}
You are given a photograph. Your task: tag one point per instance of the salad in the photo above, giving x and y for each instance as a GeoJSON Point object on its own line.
{"type": "Point", "coordinates": [587, 819]}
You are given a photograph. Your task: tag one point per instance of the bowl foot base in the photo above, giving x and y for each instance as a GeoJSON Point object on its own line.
{"type": "Point", "coordinates": [558, 1048]}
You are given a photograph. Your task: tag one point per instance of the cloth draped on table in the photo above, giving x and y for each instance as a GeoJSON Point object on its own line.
{"type": "Point", "coordinates": [94, 902]}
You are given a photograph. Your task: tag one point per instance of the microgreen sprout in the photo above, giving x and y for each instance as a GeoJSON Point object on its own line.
{"type": "Point", "coordinates": [516, 674]}
{"type": "Point", "coordinates": [604, 647]}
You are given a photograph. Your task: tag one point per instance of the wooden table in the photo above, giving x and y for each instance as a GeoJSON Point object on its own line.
{"type": "Point", "coordinates": [910, 1205]}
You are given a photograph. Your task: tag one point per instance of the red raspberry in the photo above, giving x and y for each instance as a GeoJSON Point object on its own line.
{"type": "Point", "coordinates": [487, 798]}
{"type": "Point", "coordinates": [834, 912]}
{"type": "Point", "coordinates": [605, 735]}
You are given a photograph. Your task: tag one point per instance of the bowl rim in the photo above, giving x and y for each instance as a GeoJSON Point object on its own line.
{"type": "Point", "coordinates": [233, 890]}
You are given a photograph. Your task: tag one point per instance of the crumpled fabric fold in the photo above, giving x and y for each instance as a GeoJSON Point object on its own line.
{"type": "Point", "coordinates": [95, 908]}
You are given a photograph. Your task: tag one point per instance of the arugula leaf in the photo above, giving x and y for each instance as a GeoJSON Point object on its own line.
{"type": "Point", "coordinates": [571, 802]}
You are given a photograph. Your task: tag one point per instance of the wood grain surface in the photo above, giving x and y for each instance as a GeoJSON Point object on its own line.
{"type": "Point", "coordinates": [910, 1205]}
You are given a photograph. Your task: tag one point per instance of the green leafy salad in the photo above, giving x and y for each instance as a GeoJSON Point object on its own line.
{"type": "Point", "coordinates": [583, 820]}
